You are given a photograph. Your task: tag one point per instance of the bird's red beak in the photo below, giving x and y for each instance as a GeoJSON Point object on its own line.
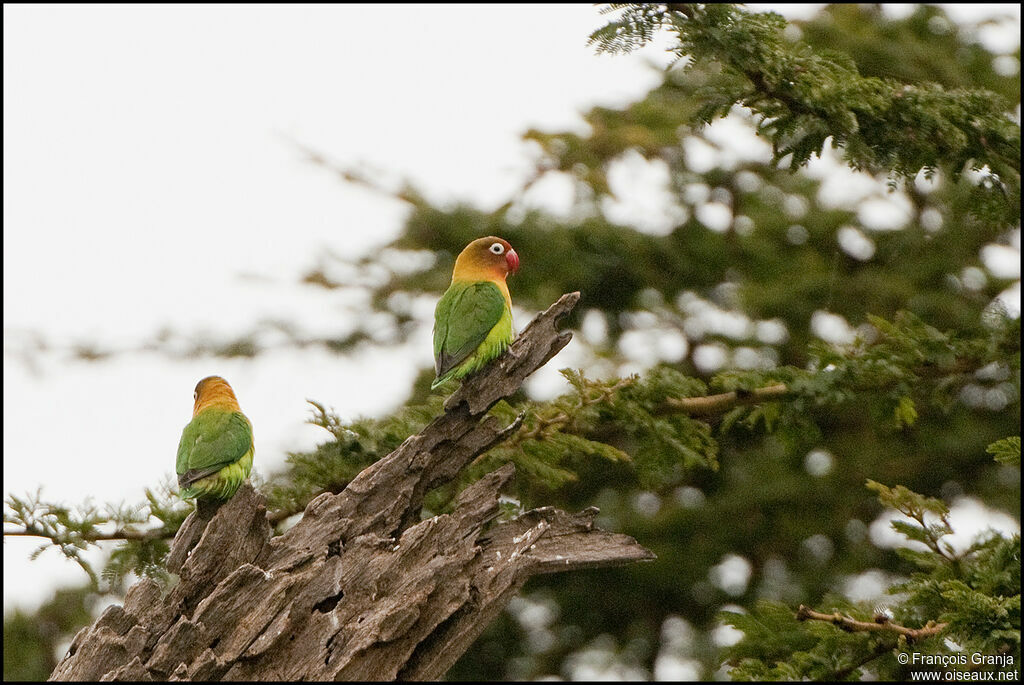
{"type": "Point", "coordinates": [512, 259]}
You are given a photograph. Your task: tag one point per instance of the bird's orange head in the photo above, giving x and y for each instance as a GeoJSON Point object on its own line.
{"type": "Point", "coordinates": [214, 391]}
{"type": "Point", "coordinates": [486, 259]}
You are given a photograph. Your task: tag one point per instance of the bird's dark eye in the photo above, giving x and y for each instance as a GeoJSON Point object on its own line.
{"type": "Point", "coordinates": [497, 248]}
{"type": "Point", "coordinates": [195, 395]}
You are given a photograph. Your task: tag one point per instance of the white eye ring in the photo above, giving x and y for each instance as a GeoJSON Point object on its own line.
{"type": "Point", "coordinates": [497, 248]}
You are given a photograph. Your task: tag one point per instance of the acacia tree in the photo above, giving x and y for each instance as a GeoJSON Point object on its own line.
{"type": "Point", "coordinates": [758, 461]}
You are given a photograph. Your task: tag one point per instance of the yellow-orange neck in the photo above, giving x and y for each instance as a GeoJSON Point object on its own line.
{"type": "Point", "coordinates": [475, 274]}
{"type": "Point", "coordinates": [220, 396]}
{"type": "Point", "coordinates": [467, 268]}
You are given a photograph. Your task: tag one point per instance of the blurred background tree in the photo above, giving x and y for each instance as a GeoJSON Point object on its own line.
{"type": "Point", "coordinates": [710, 258]}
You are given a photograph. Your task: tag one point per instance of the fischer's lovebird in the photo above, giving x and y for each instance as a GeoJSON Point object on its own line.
{"type": "Point", "coordinates": [216, 448]}
{"type": "Point", "coordinates": [473, 319]}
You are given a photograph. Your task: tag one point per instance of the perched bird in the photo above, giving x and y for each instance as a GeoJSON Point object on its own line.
{"type": "Point", "coordinates": [473, 319]}
{"type": "Point", "coordinates": [215, 452]}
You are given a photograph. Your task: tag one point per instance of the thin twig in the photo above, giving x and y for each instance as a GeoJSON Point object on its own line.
{"type": "Point", "coordinates": [880, 625]}
{"type": "Point", "coordinates": [716, 404]}
{"type": "Point", "coordinates": [119, 534]}
{"type": "Point", "coordinates": [125, 534]}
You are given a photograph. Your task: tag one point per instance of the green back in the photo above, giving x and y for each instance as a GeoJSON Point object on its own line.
{"type": "Point", "coordinates": [215, 438]}
{"type": "Point", "coordinates": [465, 314]}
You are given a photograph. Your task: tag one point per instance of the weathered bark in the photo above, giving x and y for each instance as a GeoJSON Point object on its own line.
{"type": "Point", "coordinates": [359, 588]}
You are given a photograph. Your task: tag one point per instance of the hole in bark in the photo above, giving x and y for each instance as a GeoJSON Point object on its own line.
{"type": "Point", "coordinates": [213, 645]}
{"type": "Point", "coordinates": [327, 606]}
{"type": "Point", "coordinates": [438, 635]}
{"type": "Point", "coordinates": [334, 549]}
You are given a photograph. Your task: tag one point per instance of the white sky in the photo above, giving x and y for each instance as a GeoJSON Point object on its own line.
{"type": "Point", "coordinates": [147, 169]}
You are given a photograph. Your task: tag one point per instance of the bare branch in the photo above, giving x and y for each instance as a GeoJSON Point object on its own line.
{"type": "Point", "coordinates": [119, 534]}
{"type": "Point", "coordinates": [718, 404]}
{"type": "Point", "coordinates": [881, 624]}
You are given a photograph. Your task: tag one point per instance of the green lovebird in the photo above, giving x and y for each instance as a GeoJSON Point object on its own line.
{"type": "Point", "coordinates": [473, 319]}
{"type": "Point", "coordinates": [215, 452]}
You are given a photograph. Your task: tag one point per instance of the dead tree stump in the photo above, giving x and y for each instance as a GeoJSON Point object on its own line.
{"type": "Point", "coordinates": [359, 588]}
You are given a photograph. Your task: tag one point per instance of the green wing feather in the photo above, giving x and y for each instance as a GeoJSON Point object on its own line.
{"type": "Point", "coordinates": [464, 316]}
{"type": "Point", "coordinates": [214, 440]}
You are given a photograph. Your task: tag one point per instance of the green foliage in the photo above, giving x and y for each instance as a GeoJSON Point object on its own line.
{"type": "Point", "coordinates": [141, 557]}
{"type": "Point", "coordinates": [904, 49]}
{"type": "Point", "coordinates": [970, 602]}
{"type": "Point", "coordinates": [74, 529]}
{"type": "Point", "coordinates": [636, 26]}
{"type": "Point", "coordinates": [31, 640]}
{"type": "Point", "coordinates": [353, 447]}
{"type": "Point", "coordinates": [1006, 451]}
{"type": "Point", "coordinates": [777, 647]}
{"type": "Point", "coordinates": [631, 422]}
{"type": "Point", "coordinates": [917, 507]}
{"type": "Point", "coordinates": [803, 98]}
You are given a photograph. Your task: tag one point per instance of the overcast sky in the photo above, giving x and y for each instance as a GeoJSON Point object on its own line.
{"type": "Point", "coordinates": [150, 182]}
